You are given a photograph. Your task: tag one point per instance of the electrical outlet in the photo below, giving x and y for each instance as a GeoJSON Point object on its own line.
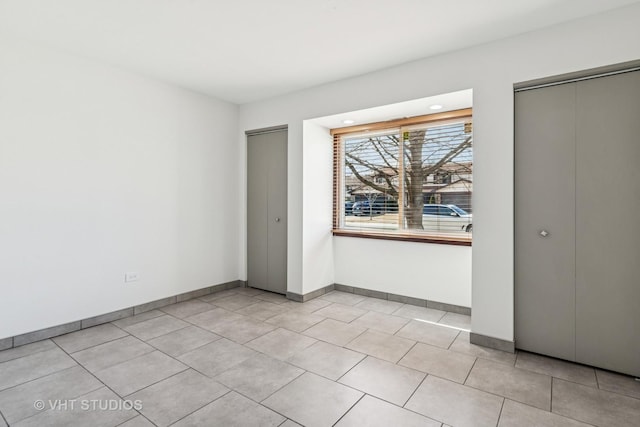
{"type": "Point", "coordinates": [132, 276]}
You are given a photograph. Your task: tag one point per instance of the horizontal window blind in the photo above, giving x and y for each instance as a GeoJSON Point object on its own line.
{"type": "Point", "coordinates": [411, 177]}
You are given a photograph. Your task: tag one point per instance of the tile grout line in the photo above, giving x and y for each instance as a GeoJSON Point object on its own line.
{"type": "Point", "coordinates": [28, 354]}
{"type": "Point", "coordinates": [131, 359]}
{"type": "Point", "coordinates": [454, 340]}
{"type": "Point", "coordinates": [350, 408]}
{"type": "Point", "coordinates": [170, 376]}
{"type": "Point", "coordinates": [414, 392]}
{"type": "Point", "coordinates": [96, 345]}
{"type": "Point", "coordinates": [159, 336]}
{"type": "Point", "coordinates": [500, 413]}
{"type": "Point", "coordinates": [551, 400]}
{"type": "Point", "coordinates": [415, 343]}
{"type": "Point", "coordinates": [501, 396]}
{"type": "Point", "coordinates": [36, 379]}
{"type": "Point", "coordinates": [354, 338]}
{"type": "Point", "coordinates": [569, 381]}
{"type": "Point", "coordinates": [101, 382]}
{"type": "Point", "coordinates": [189, 351]}
{"type": "Point", "coordinates": [207, 404]}
{"type": "Point", "coordinates": [189, 315]}
{"type": "Point", "coordinates": [304, 371]}
{"type": "Point", "coordinates": [469, 373]}
{"type": "Point", "coordinates": [140, 415]}
{"type": "Point", "coordinates": [537, 408]}
{"type": "Point", "coordinates": [353, 367]}
{"type": "Point", "coordinates": [126, 396]}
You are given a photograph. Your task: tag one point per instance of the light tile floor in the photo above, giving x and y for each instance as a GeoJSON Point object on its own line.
{"type": "Point", "coordinates": [244, 357]}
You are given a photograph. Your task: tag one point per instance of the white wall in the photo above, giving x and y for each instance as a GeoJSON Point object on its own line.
{"type": "Point", "coordinates": [317, 212]}
{"type": "Point", "coordinates": [103, 172]}
{"type": "Point", "coordinates": [427, 271]}
{"type": "Point", "coordinates": [490, 70]}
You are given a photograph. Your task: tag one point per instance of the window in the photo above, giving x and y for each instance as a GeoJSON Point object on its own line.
{"type": "Point", "coordinates": [407, 179]}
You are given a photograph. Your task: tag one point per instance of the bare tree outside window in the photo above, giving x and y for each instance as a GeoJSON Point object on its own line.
{"type": "Point", "coordinates": [372, 166]}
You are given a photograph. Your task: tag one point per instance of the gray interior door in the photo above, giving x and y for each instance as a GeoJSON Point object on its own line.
{"type": "Point", "coordinates": [577, 178]}
{"type": "Point", "coordinates": [608, 223]}
{"type": "Point", "coordinates": [267, 210]}
{"type": "Point", "coordinates": [545, 218]}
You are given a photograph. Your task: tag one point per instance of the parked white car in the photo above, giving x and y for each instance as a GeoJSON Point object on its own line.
{"type": "Point", "coordinates": [446, 218]}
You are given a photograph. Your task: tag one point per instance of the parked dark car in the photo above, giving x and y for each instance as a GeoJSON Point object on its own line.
{"type": "Point", "coordinates": [378, 207]}
{"type": "Point", "coordinates": [348, 208]}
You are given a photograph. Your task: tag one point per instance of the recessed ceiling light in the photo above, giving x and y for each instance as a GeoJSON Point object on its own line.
{"type": "Point", "coordinates": [348, 122]}
{"type": "Point", "coordinates": [436, 107]}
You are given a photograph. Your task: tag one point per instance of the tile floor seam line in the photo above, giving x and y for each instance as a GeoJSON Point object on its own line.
{"type": "Point", "coordinates": [195, 324]}
{"type": "Point", "coordinates": [304, 371]}
{"type": "Point", "coordinates": [150, 385]}
{"type": "Point", "coordinates": [141, 415]}
{"type": "Point", "coordinates": [122, 329]}
{"type": "Point", "coordinates": [304, 330]}
{"type": "Point", "coordinates": [350, 408]}
{"type": "Point", "coordinates": [411, 410]}
{"type": "Point", "coordinates": [29, 354]}
{"type": "Point", "coordinates": [351, 368]}
{"type": "Point", "coordinates": [72, 398]}
{"type": "Point", "coordinates": [493, 393]}
{"type": "Point", "coordinates": [99, 380]}
{"type": "Point", "coordinates": [129, 360]}
{"type": "Point", "coordinates": [454, 340]}
{"type": "Point", "coordinates": [192, 412]}
{"type": "Point", "coordinates": [354, 338]}
{"type": "Point", "coordinates": [469, 373]}
{"type": "Point", "coordinates": [517, 357]}
{"type": "Point", "coordinates": [193, 349]}
{"type": "Point", "coordinates": [500, 413]}
{"type": "Point", "coordinates": [159, 381]}
{"type": "Point", "coordinates": [567, 380]}
{"type": "Point", "coordinates": [605, 390]}
{"type": "Point", "coordinates": [196, 370]}
{"type": "Point", "coordinates": [42, 377]}
{"type": "Point", "coordinates": [550, 412]}
{"type": "Point", "coordinates": [367, 312]}
{"type": "Point", "coordinates": [279, 413]}
{"type": "Point", "coordinates": [96, 345]}
{"type": "Point", "coordinates": [394, 311]}
{"type": "Point", "coordinates": [551, 402]}
{"type": "Point", "coordinates": [415, 343]}
{"type": "Point", "coordinates": [414, 391]}
{"type": "Point", "coordinates": [268, 318]}
{"type": "Point", "coordinates": [167, 333]}
{"type": "Point", "coordinates": [378, 397]}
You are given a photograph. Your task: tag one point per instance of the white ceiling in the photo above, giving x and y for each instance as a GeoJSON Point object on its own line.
{"type": "Point", "coordinates": [246, 50]}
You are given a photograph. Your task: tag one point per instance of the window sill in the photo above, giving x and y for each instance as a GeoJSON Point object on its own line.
{"type": "Point", "coordinates": [406, 237]}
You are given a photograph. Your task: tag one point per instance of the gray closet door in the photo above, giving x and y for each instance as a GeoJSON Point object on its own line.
{"type": "Point", "coordinates": [545, 217]}
{"type": "Point", "coordinates": [267, 211]}
{"type": "Point", "coordinates": [577, 160]}
{"type": "Point", "coordinates": [608, 223]}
